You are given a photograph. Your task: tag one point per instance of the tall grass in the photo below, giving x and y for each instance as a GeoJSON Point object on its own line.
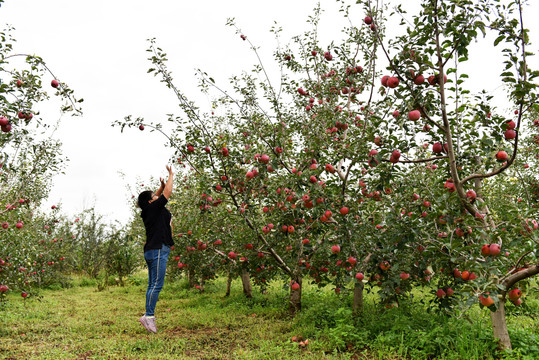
{"type": "Point", "coordinates": [83, 323]}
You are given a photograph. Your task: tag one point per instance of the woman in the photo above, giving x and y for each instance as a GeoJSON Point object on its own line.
{"type": "Point", "coordinates": [157, 221]}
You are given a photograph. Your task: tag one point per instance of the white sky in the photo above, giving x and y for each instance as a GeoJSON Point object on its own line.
{"type": "Point", "coordinates": [98, 48]}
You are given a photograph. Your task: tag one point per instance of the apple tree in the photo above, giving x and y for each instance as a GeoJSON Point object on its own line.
{"type": "Point", "coordinates": [288, 160]}
{"type": "Point", "coordinates": [342, 168]}
{"type": "Point", "coordinates": [480, 235]}
{"type": "Point", "coordinates": [29, 158]}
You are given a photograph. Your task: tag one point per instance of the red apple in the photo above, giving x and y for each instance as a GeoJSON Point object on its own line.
{"type": "Point", "coordinates": [510, 134]}
{"type": "Point", "coordinates": [392, 82]}
{"type": "Point", "coordinates": [437, 148]}
{"type": "Point", "coordinates": [368, 20]}
{"type": "Point", "coordinates": [433, 79]}
{"type": "Point", "coordinates": [404, 276]}
{"type": "Point", "coordinates": [295, 286]}
{"type": "Point", "coordinates": [264, 159]}
{"type": "Point", "coordinates": [6, 128]}
{"type": "Point", "coordinates": [487, 302]}
{"type": "Point", "coordinates": [419, 79]}
{"type": "Point", "coordinates": [414, 115]}
{"type": "Point", "coordinates": [344, 210]}
{"type": "Point", "coordinates": [501, 156]}
{"type": "Point", "coordinates": [515, 294]}
{"type": "Point", "coordinates": [55, 83]}
{"type": "Point", "coordinates": [494, 249]}
{"type": "Point", "coordinates": [471, 195]}
{"type": "Point", "coordinates": [335, 249]}
{"type": "Point", "coordinates": [329, 168]}
{"type": "Point", "coordinates": [384, 80]}
{"type": "Point", "coordinates": [449, 185]}
{"type": "Point", "coordinates": [440, 293]}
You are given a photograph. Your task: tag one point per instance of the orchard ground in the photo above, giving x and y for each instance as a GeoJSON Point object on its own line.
{"type": "Point", "coordinates": [81, 322]}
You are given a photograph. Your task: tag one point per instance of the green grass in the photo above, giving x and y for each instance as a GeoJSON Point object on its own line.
{"type": "Point", "coordinates": [82, 323]}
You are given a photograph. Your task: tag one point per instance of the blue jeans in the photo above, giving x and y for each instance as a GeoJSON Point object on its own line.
{"type": "Point", "coordinates": [157, 267]}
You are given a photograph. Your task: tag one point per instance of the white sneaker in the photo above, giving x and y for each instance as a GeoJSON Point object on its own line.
{"type": "Point", "coordinates": [148, 323]}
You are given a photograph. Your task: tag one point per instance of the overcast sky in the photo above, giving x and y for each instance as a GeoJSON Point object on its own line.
{"type": "Point", "coordinates": [99, 47]}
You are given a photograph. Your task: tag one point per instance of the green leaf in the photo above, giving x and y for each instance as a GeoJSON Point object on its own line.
{"type": "Point", "coordinates": [499, 39]}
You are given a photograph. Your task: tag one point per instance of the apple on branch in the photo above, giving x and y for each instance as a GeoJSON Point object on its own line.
{"type": "Point", "coordinates": [414, 115]}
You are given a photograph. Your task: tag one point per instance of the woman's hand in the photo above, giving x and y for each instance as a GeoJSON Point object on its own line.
{"type": "Point", "coordinates": [161, 188]}
{"type": "Point", "coordinates": [168, 186]}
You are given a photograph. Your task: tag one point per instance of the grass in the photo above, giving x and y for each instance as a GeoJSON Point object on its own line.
{"type": "Point", "coordinates": [82, 323]}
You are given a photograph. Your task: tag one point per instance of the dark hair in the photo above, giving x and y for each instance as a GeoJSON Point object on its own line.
{"type": "Point", "coordinates": [143, 199]}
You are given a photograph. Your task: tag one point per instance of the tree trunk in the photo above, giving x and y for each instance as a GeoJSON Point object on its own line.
{"type": "Point", "coordinates": [201, 284]}
{"type": "Point", "coordinates": [499, 327]}
{"type": "Point", "coordinates": [246, 281]}
{"type": "Point", "coordinates": [294, 302]}
{"type": "Point", "coordinates": [191, 278]}
{"type": "Point", "coordinates": [228, 283]}
{"type": "Point", "coordinates": [358, 298]}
